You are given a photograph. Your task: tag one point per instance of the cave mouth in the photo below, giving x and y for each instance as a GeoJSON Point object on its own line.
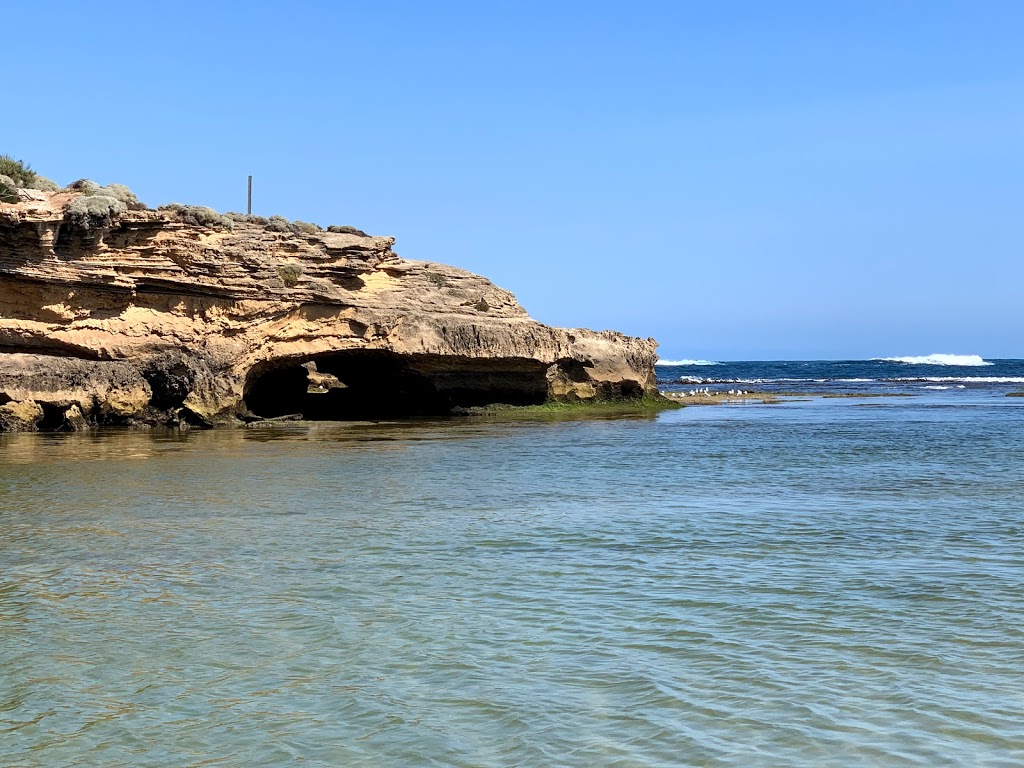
{"type": "Point", "coordinates": [370, 385]}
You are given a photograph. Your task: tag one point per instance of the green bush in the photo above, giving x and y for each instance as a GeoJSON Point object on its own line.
{"type": "Point", "coordinates": [94, 211]}
{"type": "Point", "coordinates": [122, 193]}
{"type": "Point", "coordinates": [278, 224]}
{"type": "Point", "coordinates": [305, 228]}
{"type": "Point", "coordinates": [437, 279]}
{"type": "Point", "coordinates": [281, 224]}
{"type": "Point", "coordinates": [346, 230]}
{"type": "Point", "coordinates": [44, 184]}
{"type": "Point", "coordinates": [199, 216]}
{"type": "Point", "coordinates": [8, 190]}
{"type": "Point", "coordinates": [289, 274]}
{"type": "Point", "coordinates": [19, 172]}
{"type": "Point", "coordinates": [85, 186]}
{"type": "Point", "coordinates": [15, 175]}
{"type": "Point", "coordinates": [117, 191]}
{"type": "Point", "coordinates": [248, 218]}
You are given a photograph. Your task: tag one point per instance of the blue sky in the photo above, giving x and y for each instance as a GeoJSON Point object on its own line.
{"type": "Point", "coordinates": [740, 180]}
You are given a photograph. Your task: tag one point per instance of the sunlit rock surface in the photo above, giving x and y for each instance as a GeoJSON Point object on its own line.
{"type": "Point", "coordinates": [147, 319]}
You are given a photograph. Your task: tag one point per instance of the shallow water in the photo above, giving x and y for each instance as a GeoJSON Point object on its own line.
{"type": "Point", "coordinates": [823, 583]}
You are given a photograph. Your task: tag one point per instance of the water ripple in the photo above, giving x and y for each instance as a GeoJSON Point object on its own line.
{"type": "Point", "coordinates": [806, 588]}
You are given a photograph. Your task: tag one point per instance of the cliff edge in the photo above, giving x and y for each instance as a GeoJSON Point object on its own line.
{"type": "Point", "coordinates": [119, 314]}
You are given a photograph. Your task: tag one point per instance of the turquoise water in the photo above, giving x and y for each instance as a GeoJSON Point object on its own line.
{"type": "Point", "coordinates": [822, 583]}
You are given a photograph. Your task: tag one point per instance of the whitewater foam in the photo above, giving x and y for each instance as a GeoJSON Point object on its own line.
{"type": "Point", "coordinates": [777, 380]}
{"type": "Point", "coordinates": [936, 359]}
{"type": "Point", "coordinates": [967, 379]}
{"type": "Point", "coordinates": [686, 362]}
{"type": "Point", "coordinates": [706, 380]}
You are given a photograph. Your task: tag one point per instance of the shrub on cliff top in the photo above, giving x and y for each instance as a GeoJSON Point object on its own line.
{"type": "Point", "coordinates": [247, 218]}
{"type": "Point", "coordinates": [94, 211]}
{"type": "Point", "coordinates": [85, 186]}
{"type": "Point", "coordinates": [281, 224]}
{"type": "Point", "coordinates": [207, 217]}
{"type": "Point", "coordinates": [346, 230]}
{"type": "Point", "coordinates": [44, 184]}
{"type": "Point", "coordinates": [305, 228]}
{"type": "Point", "coordinates": [96, 206]}
{"type": "Point", "coordinates": [278, 224]}
{"type": "Point", "coordinates": [120, 192]}
{"type": "Point", "coordinates": [17, 174]}
{"type": "Point", "coordinates": [8, 190]}
{"type": "Point", "coordinates": [199, 216]}
{"type": "Point", "coordinates": [18, 171]}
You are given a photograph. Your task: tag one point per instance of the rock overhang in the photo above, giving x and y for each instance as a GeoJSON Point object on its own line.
{"type": "Point", "coordinates": [149, 317]}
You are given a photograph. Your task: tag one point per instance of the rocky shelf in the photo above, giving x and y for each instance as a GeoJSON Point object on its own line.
{"type": "Point", "coordinates": [145, 317]}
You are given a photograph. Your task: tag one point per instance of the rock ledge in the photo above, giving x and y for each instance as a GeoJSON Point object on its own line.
{"type": "Point", "coordinates": [146, 318]}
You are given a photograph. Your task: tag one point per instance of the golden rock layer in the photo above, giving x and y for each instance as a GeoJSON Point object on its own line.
{"type": "Point", "coordinates": [147, 319]}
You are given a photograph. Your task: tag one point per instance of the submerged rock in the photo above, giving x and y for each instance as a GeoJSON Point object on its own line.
{"type": "Point", "coordinates": [156, 317]}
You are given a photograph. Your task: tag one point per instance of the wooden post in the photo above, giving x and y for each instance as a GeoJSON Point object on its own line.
{"type": "Point", "coordinates": [248, 209]}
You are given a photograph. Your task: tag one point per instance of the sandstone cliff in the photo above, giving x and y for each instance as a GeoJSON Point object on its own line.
{"type": "Point", "coordinates": [136, 316]}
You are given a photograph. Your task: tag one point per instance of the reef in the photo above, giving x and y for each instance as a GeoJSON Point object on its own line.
{"type": "Point", "coordinates": [120, 314]}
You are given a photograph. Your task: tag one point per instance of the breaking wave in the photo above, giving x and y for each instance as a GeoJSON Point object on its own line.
{"type": "Point", "coordinates": [706, 380]}
{"type": "Point", "coordinates": [936, 359]}
{"type": "Point", "coordinates": [967, 379]}
{"type": "Point", "coordinates": [782, 380]}
{"type": "Point", "coordinates": [686, 362]}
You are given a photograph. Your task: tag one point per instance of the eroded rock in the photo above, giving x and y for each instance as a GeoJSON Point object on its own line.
{"type": "Point", "coordinates": [20, 416]}
{"type": "Point", "coordinates": [153, 320]}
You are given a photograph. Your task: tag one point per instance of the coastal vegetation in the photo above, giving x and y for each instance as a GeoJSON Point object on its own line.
{"type": "Point", "coordinates": [344, 229]}
{"type": "Point", "coordinates": [97, 206]}
{"type": "Point", "coordinates": [118, 192]}
{"type": "Point", "coordinates": [94, 211]}
{"type": "Point", "coordinates": [17, 174]}
{"type": "Point", "coordinates": [17, 171]}
{"type": "Point", "coordinates": [289, 274]}
{"type": "Point", "coordinates": [199, 216]}
{"type": "Point", "coordinates": [283, 225]}
{"type": "Point", "coordinates": [94, 207]}
{"type": "Point", "coordinates": [437, 279]}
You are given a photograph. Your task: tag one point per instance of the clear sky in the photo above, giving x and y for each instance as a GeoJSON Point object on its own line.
{"type": "Point", "coordinates": [740, 180]}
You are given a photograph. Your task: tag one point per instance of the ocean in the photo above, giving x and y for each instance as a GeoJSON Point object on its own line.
{"type": "Point", "coordinates": [907, 375]}
{"type": "Point", "coordinates": [818, 582]}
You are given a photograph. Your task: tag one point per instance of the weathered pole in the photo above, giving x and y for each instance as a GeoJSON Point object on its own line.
{"type": "Point", "coordinates": [248, 209]}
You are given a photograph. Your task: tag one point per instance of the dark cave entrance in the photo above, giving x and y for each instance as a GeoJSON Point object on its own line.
{"type": "Point", "coordinates": [368, 385]}
{"type": "Point", "coordinates": [53, 418]}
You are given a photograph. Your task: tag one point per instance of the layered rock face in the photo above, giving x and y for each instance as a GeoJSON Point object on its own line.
{"type": "Point", "coordinates": [146, 319]}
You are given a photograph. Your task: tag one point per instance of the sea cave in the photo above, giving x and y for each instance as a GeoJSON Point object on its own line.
{"type": "Point", "coordinates": [370, 385]}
